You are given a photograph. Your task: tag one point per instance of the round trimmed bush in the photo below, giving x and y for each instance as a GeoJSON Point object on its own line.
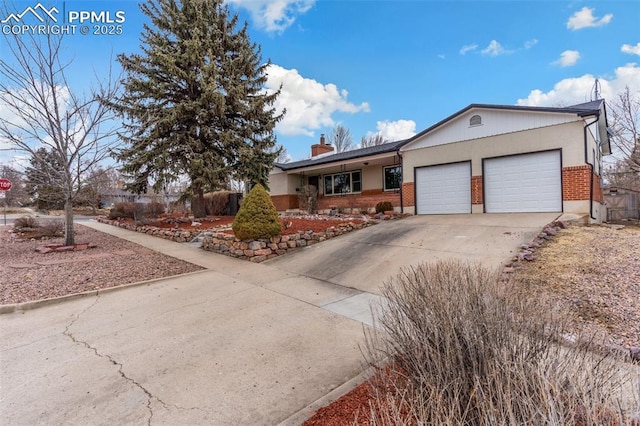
{"type": "Point", "coordinates": [384, 206]}
{"type": "Point", "coordinates": [257, 217]}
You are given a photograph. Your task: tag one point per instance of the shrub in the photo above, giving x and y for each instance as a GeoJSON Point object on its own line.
{"type": "Point", "coordinates": [51, 229]}
{"type": "Point", "coordinates": [127, 210]}
{"type": "Point", "coordinates": [308, 198]}
{"type": "Point", "coordinates": [154, 209]}
{"type": "Point", "coordinates": [464, 350]}
{"type": "Point", "coordinates": [25, 222]}
{"type": "Point", "coordinates": [384, 206]}
{"type": "Point", "coordinates": [217, 203]}
{"type": "Point", "coordinates": [257, 217]}
{"type": "Point", "coordinates": [122, 210]}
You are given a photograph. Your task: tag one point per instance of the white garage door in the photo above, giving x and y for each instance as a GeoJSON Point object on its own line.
{"type": "Point", "coordinates": [443, 189]}
{"type": "Point", "coordinates": [523, 183]}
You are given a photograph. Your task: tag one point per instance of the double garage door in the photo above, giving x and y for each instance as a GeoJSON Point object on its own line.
{"type": "Point", "coordinates": [517, 183]}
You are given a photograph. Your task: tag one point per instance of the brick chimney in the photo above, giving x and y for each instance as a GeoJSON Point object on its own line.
{"type": "Point", "coordinates": [320, 148]}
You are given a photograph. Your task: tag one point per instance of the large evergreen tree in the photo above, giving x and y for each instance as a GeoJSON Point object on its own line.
{"type": "Point", "coordinates": [194, 101]}
{"type": "Point", "coordinates": [43, 175]}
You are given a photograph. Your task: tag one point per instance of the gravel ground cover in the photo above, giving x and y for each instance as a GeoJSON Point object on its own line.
{"type": "Point", "coordinates": [592, 273]}
{"type": "Point", "coordinates": [26, 275]}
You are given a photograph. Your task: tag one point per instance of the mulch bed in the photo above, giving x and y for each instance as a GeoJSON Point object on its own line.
{"type": "Point", "coordinates": [350, 409]}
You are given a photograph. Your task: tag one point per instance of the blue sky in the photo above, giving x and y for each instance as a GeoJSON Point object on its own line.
{"type": "Point", "coordinates": [397, 67]}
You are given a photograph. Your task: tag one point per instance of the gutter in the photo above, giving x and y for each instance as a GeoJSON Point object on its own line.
{"type": "Point", "coordinates": [591, 166]}
{"type": "Point", "coordinates": [401, 180]}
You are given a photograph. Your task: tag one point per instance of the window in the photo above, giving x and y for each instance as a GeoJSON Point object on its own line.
{"type": "Point", "coordinates": [476, 120]}
{"type": "Point", "coordinates": [392, 177]}
{"type": "Point", "coordinates": [342, 183]}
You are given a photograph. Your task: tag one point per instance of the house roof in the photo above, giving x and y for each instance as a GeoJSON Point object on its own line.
{"type": "Point", "coordinates": [582, 110]}
{"type": "Point", "coordinates": [345, 155]}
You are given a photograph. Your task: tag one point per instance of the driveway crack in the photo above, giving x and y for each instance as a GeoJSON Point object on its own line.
{"type": "Point", "coordinates": [149, 395]}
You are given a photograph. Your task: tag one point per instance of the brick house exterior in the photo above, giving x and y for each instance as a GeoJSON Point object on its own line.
{"type": "Point", "coordinates": [350, 180]}
{"type": "Point", "coordinates": [482, 159]}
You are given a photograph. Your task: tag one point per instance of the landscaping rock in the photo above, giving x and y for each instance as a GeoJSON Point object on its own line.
{"type": "Point", "coordinates": [256, 245]}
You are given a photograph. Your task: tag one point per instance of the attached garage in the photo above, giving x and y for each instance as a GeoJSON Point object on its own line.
{"type": "Point", "coordinates": [443, 189]}
{"type": "Point", "coordinates": [523, 183]}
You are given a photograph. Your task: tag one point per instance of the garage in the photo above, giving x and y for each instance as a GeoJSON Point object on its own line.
{"type": "Point", "coordinates": [523, 183]}
{"type": "Point", "coordinates": [443, 189]}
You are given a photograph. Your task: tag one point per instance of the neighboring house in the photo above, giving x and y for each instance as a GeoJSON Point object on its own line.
{"type": "Point", "coordinates": [110, 197]}
{"type": "Point", "coordinates": [482, 159]}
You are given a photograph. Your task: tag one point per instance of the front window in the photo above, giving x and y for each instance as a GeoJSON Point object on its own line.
{"type": "Point", "coordinates": [392, 177]}
{"type": "Point", "coordinates": [342, 183]}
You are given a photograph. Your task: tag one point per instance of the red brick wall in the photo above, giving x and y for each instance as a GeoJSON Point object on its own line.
{"type": "Point", "coordinates": [575, 183]}
{"type": "Point", "coordinates": [364, 200]}
{"type": "Point", "coordinates": [476, 190]}
{"type": "Point", "coordinates": [408, 194]}
{"type": "Point", "coordinates": [598, 193]}
{"type": "Point", "coordinates": [284, 202]}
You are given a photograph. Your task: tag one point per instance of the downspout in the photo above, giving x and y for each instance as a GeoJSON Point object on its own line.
{"type": "Point", "coordinates": [591, 166]}
{"type": "Point", "coordinates": [401, 182]}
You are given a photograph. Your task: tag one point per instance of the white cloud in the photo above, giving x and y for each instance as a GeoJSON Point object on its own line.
{"type": "Point", "coordinates": [494, 49]}
{"type": "Point", "coordinates": [567, 58]}
{"type": "Point", "coordinates": [632, 50]}
{"type": "Point", "coordinates": [309, 104]}
{"type": "Point", "coordinates": [395, 130]}
{"type": "Point", "coordinates": [468, 48]}
{"type": "Point", "coordinates": [584, 19]}
{"type": "Point", "coordinates": [571, 91]}
{"type": "Point", "coordinates": [274, 15]}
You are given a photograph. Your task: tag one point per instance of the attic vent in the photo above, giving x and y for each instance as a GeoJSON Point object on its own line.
{"type": "Point", "coordinates": [476, 120]}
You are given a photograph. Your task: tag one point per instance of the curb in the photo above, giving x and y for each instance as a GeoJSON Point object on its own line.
{"type": "Point", "coordinates": [35, 304]}
{"type": "Point", "coordinates": [307, 412]}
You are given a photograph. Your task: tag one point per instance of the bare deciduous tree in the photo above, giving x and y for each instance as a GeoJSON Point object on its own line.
{"type": "Point", "coordinates": [99, 181]}
{"type": "Point", "coordinates": [77, 129]}
{"type": "Point", "coordinates": [624, 112]}
{"type": "Point", "coordinates": [17, 195]}
{"type": "Point", "coordinates": [372, 140]}
{"type": "Point", "coordinates": [340, 138]}
{"type": "Point", "coordinates": [283, 155]}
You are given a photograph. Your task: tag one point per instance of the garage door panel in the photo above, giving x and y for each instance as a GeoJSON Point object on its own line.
{"type": "Point", "coordinates": [523, 183]}
{"type": "Point", "coordinates": [443, 189]}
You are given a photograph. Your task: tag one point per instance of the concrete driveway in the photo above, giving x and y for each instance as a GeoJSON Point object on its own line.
{"type": "Point", "coordinates": [365, 259]}
{"type": "Point", "coordinates": [239, 343]}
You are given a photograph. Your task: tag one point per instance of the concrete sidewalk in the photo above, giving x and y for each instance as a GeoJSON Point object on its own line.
{"type": "Point", "coordinates": [348, 302]}
{"type": "Point", "coordinates": [239, 343]}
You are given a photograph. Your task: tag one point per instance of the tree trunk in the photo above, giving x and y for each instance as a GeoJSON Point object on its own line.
{"type": "Point", "coordinates": [197, 204]}
{"type": "Point", "coordinates": [69, 238]}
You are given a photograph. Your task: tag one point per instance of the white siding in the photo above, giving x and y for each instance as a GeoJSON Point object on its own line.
{"type": "Point", "coordinates": [523, 183]}
{"type": "Point", "coordinates": [494, 122]}
{"type": "Point", "coordinates": [443, 189]}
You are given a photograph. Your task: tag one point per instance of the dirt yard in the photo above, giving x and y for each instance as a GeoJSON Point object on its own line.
{"type": "Point", "coordinates": [593, 274]}
{"type": "Point", "coordinates": [28, 275]}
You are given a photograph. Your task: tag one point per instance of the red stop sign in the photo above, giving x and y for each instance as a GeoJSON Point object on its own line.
{"type": "Point", "coordinates": [5, 184]}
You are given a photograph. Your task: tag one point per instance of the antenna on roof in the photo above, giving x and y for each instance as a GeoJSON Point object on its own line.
{"type": "Point", "coordinates": [596, 91]}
